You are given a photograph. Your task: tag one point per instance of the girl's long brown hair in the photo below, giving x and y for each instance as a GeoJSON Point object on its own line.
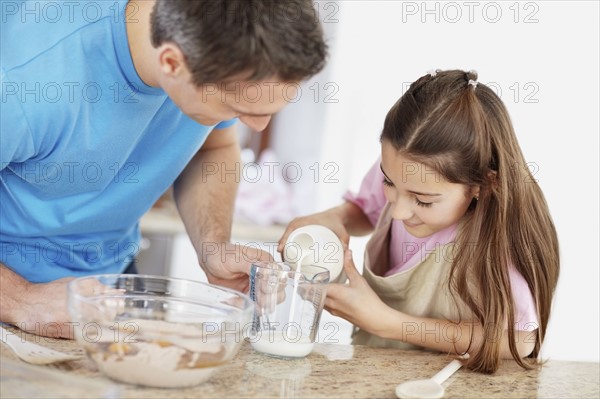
{"type": "Point", "coordinates": [462, 130]}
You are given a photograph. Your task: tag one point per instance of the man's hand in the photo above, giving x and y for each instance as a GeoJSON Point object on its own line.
{"type": "Point", "coordinates": [228, 264]}
{"type": "Point", "coordinates": [47, 305]}
{"type": "Point", "coordinates": [39, 309]}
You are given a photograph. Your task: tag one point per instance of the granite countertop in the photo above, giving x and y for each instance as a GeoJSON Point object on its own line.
{"type": "Point", "coordinates": [330, 371]}
{"type": "Point", "coordinates": [167, 221]}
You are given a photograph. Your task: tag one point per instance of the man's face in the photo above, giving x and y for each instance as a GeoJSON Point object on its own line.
{"type": "Point", "coordinates": [253, 102]}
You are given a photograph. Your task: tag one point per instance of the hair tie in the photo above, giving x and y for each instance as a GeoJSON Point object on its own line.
{"type": "Point", "coordinates": [472, 82]}
{"type": "Point", "coordinates": [433, 72]}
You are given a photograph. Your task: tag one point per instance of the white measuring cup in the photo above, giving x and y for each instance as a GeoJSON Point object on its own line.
{"type": "Point", "coordinates": [315, 245]}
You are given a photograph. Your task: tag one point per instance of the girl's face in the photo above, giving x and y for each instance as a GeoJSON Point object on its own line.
{"type": "Point", "coordinates": [420, 197]}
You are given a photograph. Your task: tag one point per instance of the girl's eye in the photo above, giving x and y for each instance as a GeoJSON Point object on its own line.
{"type": "Point", "coordinates": [388, 183]}
{"type": "Point", "coordinates": [421, 203]}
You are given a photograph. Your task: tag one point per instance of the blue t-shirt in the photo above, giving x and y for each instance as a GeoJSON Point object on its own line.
{"type": "Point", "coordinates": [86, 147]}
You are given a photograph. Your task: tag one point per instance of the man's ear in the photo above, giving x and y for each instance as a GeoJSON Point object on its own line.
{"type": "Point", "coordinates": [171, 60]}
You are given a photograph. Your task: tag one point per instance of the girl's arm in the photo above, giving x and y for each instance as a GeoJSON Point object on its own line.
{"type": "Point", "coordinates": [446, 336]}
{"type": "Point", "coordinates": [359, 304]}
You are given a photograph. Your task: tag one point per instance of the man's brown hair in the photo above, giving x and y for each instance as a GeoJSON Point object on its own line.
{"type": "Point", "coordinates": [224, 40]}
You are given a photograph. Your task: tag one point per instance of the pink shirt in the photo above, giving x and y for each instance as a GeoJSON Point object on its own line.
{"type": "Point", "coordinates": [406, 251]}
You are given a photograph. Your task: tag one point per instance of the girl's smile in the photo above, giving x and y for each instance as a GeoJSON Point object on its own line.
{"type": "Point", "coordinates": [411, 225]}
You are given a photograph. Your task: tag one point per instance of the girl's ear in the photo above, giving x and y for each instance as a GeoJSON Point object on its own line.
{"type": "Point", "coordinates": [492, 177]}
{"type": "Point", "coordinates": [491, 184]}
{"type": "Point", "coordinates": [474, 193]}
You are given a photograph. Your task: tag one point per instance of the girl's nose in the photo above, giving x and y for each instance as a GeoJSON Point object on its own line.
{"type": "Point", "coordinates": [401, 210]}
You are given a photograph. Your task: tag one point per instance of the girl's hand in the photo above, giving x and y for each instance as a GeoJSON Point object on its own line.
{"type": "Point", "coordinates": [356, 301]}
{"type": "Point", "coordinates": [330, 219]}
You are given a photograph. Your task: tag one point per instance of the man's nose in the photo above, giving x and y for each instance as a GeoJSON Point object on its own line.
{"type": "Point", "coordinates": [258, 123]}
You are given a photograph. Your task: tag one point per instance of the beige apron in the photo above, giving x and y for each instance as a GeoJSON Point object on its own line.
{"type": "Point", "coordinates": [421, 290]}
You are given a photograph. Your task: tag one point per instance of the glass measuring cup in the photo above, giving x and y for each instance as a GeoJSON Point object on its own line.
{"type": "Point", "coordinates": [288, 302]}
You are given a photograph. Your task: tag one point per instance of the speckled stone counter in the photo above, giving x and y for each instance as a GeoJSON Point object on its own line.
{"type": "Point", "coordinates": [330, 371]}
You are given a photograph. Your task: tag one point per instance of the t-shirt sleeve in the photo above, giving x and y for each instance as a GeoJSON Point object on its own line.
{"type": "Point", "coordinates": [524, 304]}
{"type": "Point", "coordinates": [16, 142]}
{"type": "Point", "coordinates": [224, 124]}
{"type": "Point", "coordinates": [370, 197]}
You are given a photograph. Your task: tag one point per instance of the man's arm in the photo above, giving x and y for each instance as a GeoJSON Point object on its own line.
{"type": "Point", "coordinates": [205, 193]}
{"type": "Point", "coordinates": [37, 308]}
{"type": "Point", "coordinates": [205, 196]}
{"type": "Point", "coordinates": [12, 287]}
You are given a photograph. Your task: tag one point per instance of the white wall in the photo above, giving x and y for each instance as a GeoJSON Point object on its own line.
{"type": "Point", "coordinates": [548, 55]}
{"type": "Point", "coordinates": [546, 51]}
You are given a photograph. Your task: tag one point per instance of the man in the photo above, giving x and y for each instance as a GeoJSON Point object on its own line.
{"type": "Point", "coordinates": [105, 105]}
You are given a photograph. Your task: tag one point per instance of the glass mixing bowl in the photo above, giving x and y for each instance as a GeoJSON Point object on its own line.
{"type": "Point", "coordinates": [157, 331]}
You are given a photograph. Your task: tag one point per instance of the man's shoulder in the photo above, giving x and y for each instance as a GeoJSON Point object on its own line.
{"type": "Point", "coordinates": [32, 27]}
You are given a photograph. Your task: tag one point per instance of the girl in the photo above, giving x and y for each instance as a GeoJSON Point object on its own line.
{"type": "Point", "coordinates": [463, 255]}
